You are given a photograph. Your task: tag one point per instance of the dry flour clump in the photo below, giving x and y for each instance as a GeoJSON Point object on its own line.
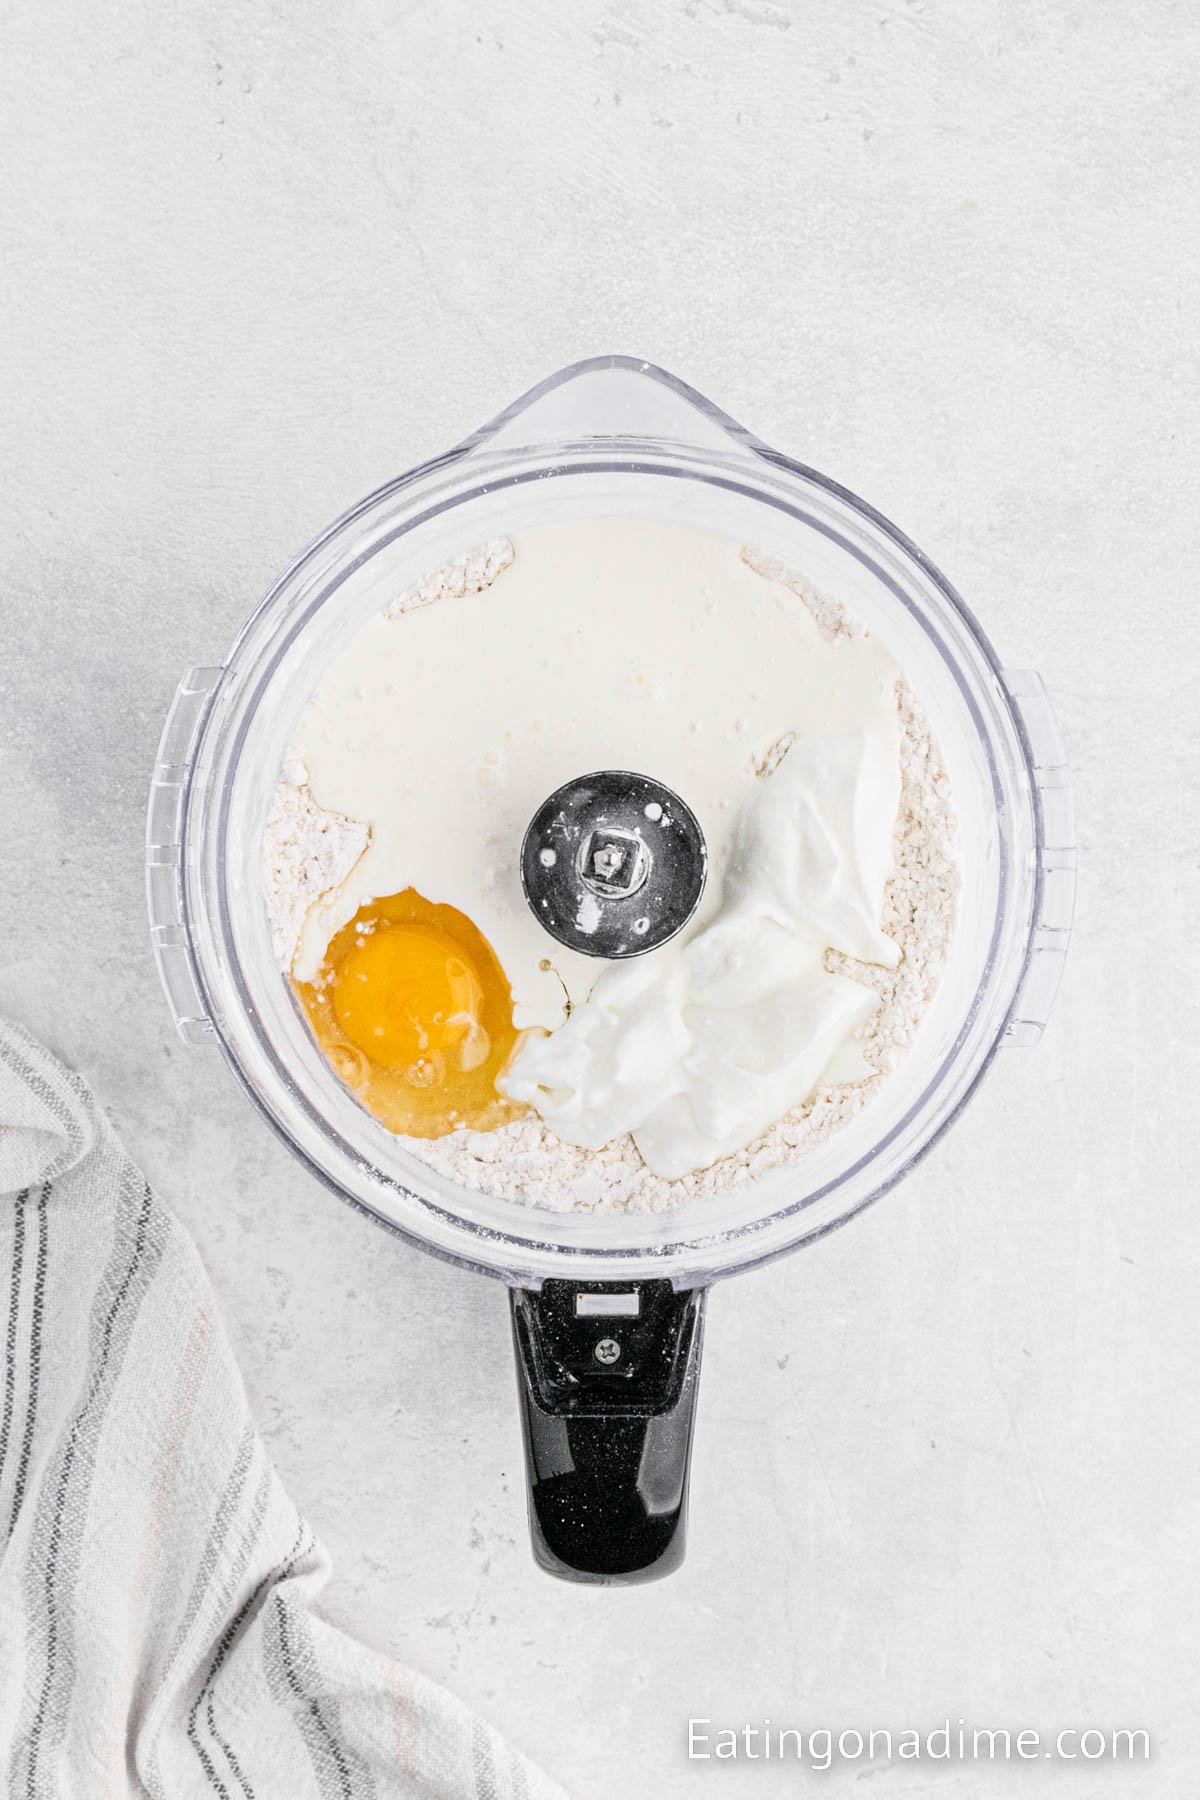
{"type": "Point", "coordinates": [526, 1161]}
{"type": "Point", "coordinates": [921, 898]}
{"type": "Point", "coordinates": [830, 614]}
{"type": "Point", "coordinates": [469, 574]}
{"type": "Point", "coordinates": [308, 851]}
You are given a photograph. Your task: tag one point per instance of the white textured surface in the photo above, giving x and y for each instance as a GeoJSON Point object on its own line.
{"type": "Point", "coordinates": [264, 257]}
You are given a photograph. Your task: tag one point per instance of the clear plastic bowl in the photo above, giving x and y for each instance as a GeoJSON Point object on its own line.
{"type": "Point", "coordinates": [607, 437]}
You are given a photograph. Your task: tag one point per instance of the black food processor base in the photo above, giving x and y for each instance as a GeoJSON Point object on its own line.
{"type": "Point", "coordinates": [608, 1375]}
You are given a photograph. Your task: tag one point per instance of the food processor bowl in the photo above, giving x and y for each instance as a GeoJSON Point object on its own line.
{"type": "Point", "coordinates": [607, 1395]}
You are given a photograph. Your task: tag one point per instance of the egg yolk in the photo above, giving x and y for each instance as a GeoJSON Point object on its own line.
{"type": "Point", "coordinates": [414, 1014]}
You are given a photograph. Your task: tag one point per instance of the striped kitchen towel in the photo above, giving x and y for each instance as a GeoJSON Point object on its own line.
{"type": "Point", "coordinates": [157, 1630]}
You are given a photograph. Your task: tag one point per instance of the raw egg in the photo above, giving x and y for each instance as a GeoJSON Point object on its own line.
{"type": "Point", "coordinates": [414, 1014]}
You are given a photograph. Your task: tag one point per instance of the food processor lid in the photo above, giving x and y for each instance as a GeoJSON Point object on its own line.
{"type": "Point", "coordinates": [608, 434]}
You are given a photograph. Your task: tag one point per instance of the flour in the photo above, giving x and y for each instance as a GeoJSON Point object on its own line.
{"type": "Point", "coordinates": [829, 614]}
{"type": "Point", "coordinates": [773, 755]}
{"type": "Point", "coordinates": [469, 574]}
{"type": "Point", "coordinates": [308, 851]}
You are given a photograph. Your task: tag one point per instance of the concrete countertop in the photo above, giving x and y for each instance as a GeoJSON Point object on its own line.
{"type": "Point", "coordinates": [263, 258]}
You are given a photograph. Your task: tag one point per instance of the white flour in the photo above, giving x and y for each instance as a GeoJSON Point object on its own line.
{"type": "Point", "coordinates": [830, 615]}
{"type": "Point", "coordinates": [311, 850]}
{"type": "Point", "coordinates": [469, 574]}
{"type": "Point", "coordinates": [308, 850]}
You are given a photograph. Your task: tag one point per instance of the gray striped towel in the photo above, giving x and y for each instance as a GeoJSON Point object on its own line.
{"type": "Point", "coordinates": [157, 1630]}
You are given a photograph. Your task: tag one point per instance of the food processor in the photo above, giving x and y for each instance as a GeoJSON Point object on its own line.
{"type": "Point", "coordinates": [607, 1307]}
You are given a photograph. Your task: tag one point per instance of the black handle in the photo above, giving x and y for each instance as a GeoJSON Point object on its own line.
{"type": "Point", "coordinates": [607, 1373]}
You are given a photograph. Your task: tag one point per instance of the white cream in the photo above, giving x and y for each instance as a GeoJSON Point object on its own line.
{"type": "Point", "coordinates": [695, 1049]}
{"type": "Point", "coordinates": [608, 643]}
